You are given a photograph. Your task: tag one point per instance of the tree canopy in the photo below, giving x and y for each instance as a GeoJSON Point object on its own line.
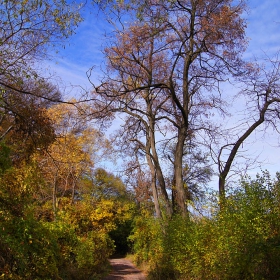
{"type": "Point", "coordinates": [164, 71]}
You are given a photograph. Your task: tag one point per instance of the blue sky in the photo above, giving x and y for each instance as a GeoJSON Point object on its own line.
{"type": "Point", "coordinates": [84, 50]}
{"type": "Point", "coordinates": [263, 26]}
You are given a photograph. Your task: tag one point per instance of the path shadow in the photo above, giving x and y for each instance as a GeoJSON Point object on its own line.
{"type": "Point", "coordinates": [124, 269]}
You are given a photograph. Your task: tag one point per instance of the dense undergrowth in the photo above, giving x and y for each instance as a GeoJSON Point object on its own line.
{"type": "Point", "coordinates": [240, 242]}
{"type": "Point", "coordinates": [74, 243]}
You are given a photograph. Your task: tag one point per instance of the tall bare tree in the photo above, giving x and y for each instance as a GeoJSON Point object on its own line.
{"type": "Point", "coordinates": [171, 58]}
{"type": "Point", "coordinates": [135, 59]}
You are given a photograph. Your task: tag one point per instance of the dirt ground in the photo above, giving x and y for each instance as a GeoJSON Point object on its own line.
{"type": "Point", "coordinates": [123, 269]}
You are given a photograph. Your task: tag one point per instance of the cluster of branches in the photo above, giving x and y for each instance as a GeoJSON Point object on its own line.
{"type": "Point", "coordinates": [164, 73]}
{"type": "Point", "coordinates": [27, 31]}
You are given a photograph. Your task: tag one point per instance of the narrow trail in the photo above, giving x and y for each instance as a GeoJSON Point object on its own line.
{"type": "Point", "coordinates": [123, 269]}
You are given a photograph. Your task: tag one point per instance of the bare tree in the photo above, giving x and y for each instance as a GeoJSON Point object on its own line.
{"type": "Point", "coordinates": [135, 60]}
{"type": "Point", "coordinates": [172, 59]}
{"type": "Point", "coordinates": [261, 89]}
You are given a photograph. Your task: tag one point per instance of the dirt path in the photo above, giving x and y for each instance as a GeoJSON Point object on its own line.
{"type": "Point", "coordinates": [123, 269]}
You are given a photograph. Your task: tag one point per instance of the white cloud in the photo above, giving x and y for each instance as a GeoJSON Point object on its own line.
{"type": "Point", "coordinates": [263, 27]}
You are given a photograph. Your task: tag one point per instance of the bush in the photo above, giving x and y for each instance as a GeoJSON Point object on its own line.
{"type": "Point", "coordinates": [73, 246]}
{"type": "Point", "coordinates": [92, 255]}
{"type": "Point", "coordinates": [248, 231]}
{"type": "Point", "coordinates": [240, 242]}
{"type": "Point", "coordinates": [30, 250]}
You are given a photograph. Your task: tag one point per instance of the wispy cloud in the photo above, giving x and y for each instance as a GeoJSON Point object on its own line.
{"type": "Point", "coordinates": [263, 27]}
{"type": "Point", "coordinates": [82, 52]}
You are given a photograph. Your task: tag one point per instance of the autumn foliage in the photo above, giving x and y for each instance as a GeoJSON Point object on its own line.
{"type": "Point", "coordinates": [56, 215]}
{"type": "Point", "coordinates": [62, 215]}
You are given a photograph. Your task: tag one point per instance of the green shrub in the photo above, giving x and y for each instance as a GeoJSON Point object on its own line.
{"type": "Point", "coordinates": [248, 231]}
{"type": "Point", "coordinates": [240, 242]}
{"type": "Point", "coordinates": [29, 250]}
{"type": "Point", "coordinates": [92, 254]}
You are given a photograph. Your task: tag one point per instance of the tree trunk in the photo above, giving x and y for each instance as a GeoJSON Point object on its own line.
{"type": "Point", "coordinates": [155, 196]}
{"type": "Point", "coordinates": [226, 169]}
{"type": "Point", "coordinates": [54, 198]}
{"type": "Point", "coordinates": [180, 192]}
{"type": "Point", "coordinates": [153, 174]}
{"type": "Point", "coordinates": [222, 192]}
{"type": "Point", "coordinates": [160, 177]}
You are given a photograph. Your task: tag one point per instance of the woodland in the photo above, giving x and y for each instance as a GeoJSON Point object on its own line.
{"type": "Point", "coordinates": [167, 64]}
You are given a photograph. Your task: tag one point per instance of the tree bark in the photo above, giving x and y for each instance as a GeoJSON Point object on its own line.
{"type": "Point", "coordinates": [54, 198]}
{"type": "Point", "coordinates": [159, 174]}
{"type": "Point", "coordinates": [153, 174]}
{"type": "Point", "coordinates": [180, 197]}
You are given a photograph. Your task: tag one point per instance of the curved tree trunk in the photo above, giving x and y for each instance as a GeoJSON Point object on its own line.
{"type": "Point", "coordinates": [225, 170]}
